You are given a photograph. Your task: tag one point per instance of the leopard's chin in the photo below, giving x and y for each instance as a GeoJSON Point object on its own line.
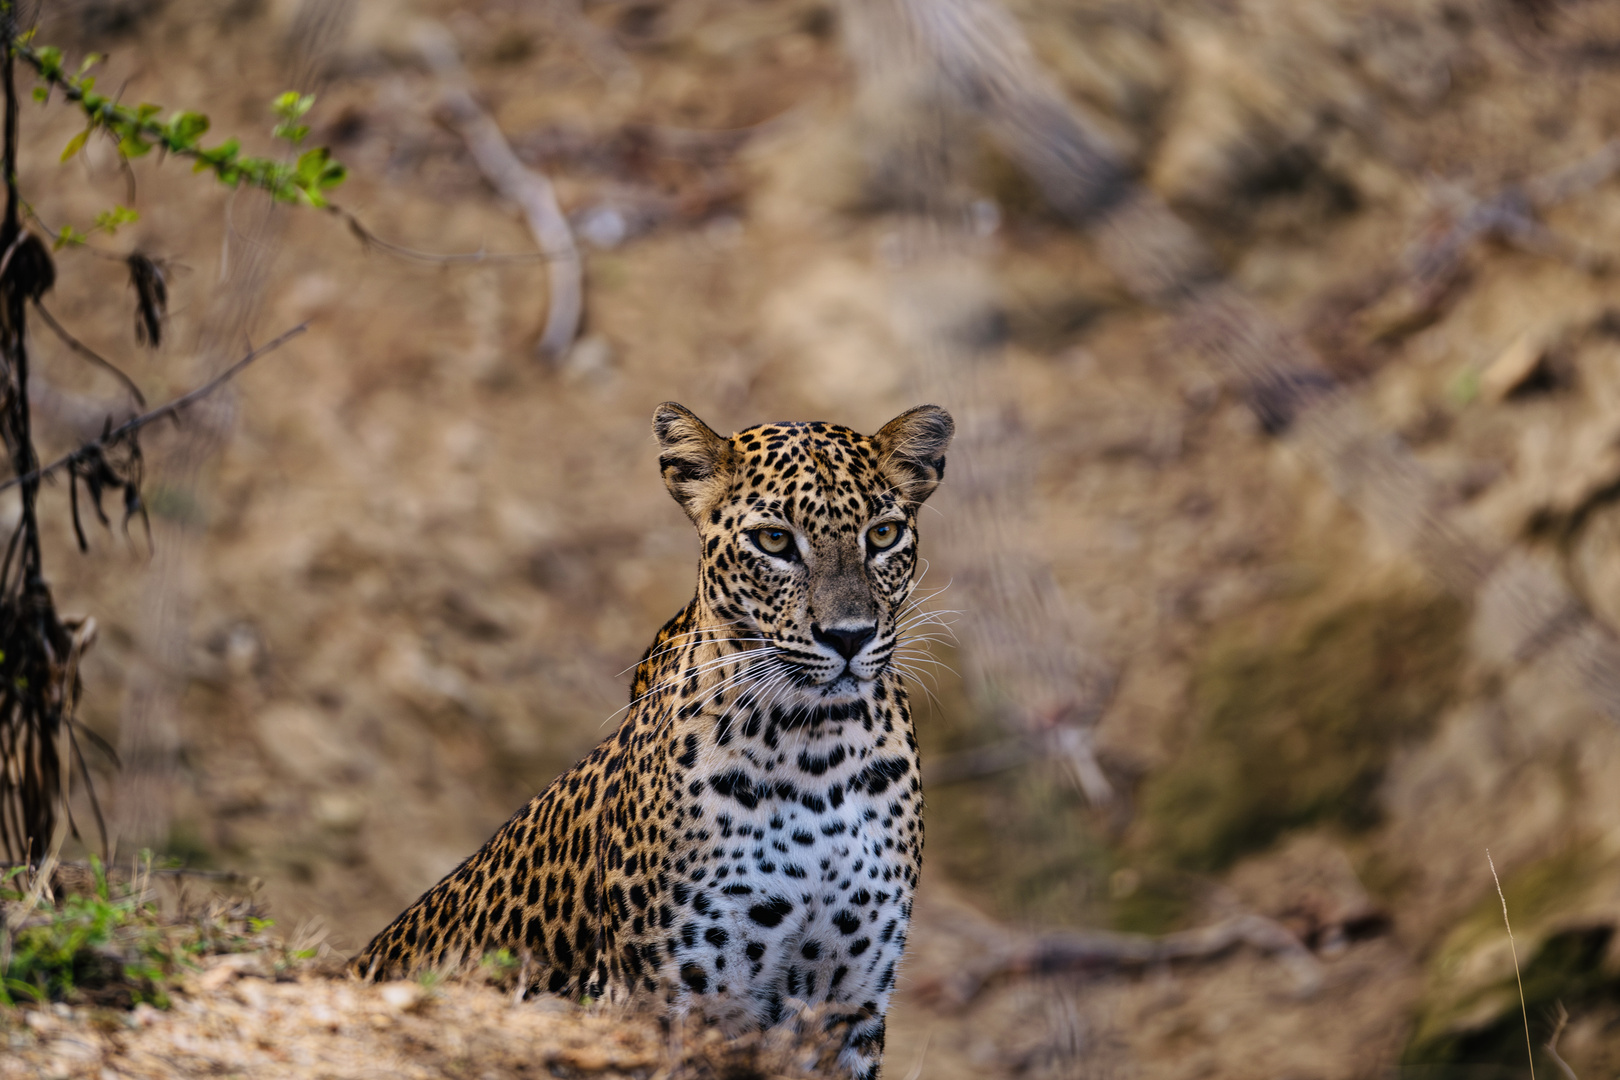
{"type": "Point", "coordinates": [841, 689]}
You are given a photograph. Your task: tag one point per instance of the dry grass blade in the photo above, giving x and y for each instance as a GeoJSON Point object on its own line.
{"type": "Point", "coordinates": [1514, 949]}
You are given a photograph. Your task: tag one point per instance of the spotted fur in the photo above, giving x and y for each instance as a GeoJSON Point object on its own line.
{"type": "Point", "coordinates": [752, 833]}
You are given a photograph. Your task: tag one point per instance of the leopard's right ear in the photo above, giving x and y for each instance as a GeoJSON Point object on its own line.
{"type": "Point", "coordinates": [911, 450]}
{"type": "Point", "coordinates": [696, 462]}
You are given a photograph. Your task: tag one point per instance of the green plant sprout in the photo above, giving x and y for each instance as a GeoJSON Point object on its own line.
{"type": "Point", "coordinates": [117, 937]}
{"type": "Point", "coordinates": [108, 221]}
{"type": "Point", "coordinates": [291, 107]}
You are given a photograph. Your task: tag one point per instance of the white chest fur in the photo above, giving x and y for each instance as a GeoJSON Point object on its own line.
{"type": "Point", "coordinates": [794, 879]}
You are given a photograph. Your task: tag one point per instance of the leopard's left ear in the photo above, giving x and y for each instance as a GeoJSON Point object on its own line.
{"type": "Point", "coordinates": [696, 462]}
{"type": "Point", "coordinates": [911, 450]}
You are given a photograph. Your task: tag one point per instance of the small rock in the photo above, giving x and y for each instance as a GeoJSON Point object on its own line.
{"type": "Point", "coordinates": [250, 992]}
{"type": "Point", "coordinates": [590, 360]}
{"type": "Point", "coordinates": [226, 969]}
{"type": "Point", "coordinates": [1515, 366]}
{"type": "Point", "coordinates": [339, 811]}
{"type": "Point", "coordinates": [403, 997]}
{"type": "Point", "coordinates": [216, 978]}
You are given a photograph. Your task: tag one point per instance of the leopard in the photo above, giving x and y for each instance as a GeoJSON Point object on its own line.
{"type": "Point", "coordinates": [747, 844]}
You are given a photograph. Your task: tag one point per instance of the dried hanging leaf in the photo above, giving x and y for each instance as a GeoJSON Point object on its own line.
{"type": "Point", "coordinates": [151, 298]}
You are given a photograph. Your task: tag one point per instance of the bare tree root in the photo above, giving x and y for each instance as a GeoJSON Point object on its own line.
{"type": "Point", "coordinates": [530, 190]}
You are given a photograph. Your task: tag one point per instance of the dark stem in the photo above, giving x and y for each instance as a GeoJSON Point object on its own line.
{"type": "Point", "coordinates": [123, 431]}
{"type": "Point", "coordinates": [13, 202]}
{"type": "Point", "coordinates": [15, 343]}
{"type": "Point", "coordinates": [90, 354]}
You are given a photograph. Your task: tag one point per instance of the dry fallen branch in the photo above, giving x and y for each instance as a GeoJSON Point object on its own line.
{"type": "Point", "coordinates": [1095, 952]}
{"type": "Point", "coordinates": [530, 190]}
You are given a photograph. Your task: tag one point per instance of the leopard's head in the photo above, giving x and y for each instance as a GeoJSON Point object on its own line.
{"type": "Point", "coordinates": [809, 537]}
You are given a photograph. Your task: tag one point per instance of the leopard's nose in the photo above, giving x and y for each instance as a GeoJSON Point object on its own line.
{"type": "Point", "coordinates": [845, 642]}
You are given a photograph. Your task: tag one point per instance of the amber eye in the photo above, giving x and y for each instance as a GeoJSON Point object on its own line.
{"type": "Point", "coordinates": [883, 535]}
{"type": "Point", "coordinates": [775, 541]}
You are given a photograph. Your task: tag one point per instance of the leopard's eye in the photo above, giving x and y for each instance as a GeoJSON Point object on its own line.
{"type": "Point", "coordinates": [883, 535]}
{"type": "Point", "coordinates": [774, 541]}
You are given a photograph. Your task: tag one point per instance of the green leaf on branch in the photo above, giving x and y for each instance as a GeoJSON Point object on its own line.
{"type": "Point", "coordinates": [311, 164]}
{"type": "Point", "coordinates": [109, 221]}
{"type": "Point", "coordinates": [184, 129]}
{"type": "Point", "coordinates": [75, 144]}
{"type": "Point", "coordinates": [218, 158]}
{"type": "Point", "coordinates": [133, 146]}
{"type": "Point", "coordinates": [138, 130]}
{"type": "Point", "coordinates": [292, 106]}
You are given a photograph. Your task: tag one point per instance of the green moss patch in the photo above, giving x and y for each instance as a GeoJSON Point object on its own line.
{"type": "Point", "coordinates": [1022, 842]}
{"type": "Point", "coordinates": [1296, 726]}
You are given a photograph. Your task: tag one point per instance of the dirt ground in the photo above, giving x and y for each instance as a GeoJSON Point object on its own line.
{"type": "Point", "coordinates": [424, 559]}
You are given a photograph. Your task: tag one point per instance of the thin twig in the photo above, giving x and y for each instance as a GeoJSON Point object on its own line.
{"type": "Point", "coordinates": [90, 354]}
{"type": "Point", "coordinates": [372, 240]}
{"type": "Point", "coordinates": [1552, 1044]}
{"type": "Point", "coordinates": [161, 871]}
{"type": "Point", "coordinates": [1529, 1047]}
{"type": "Point", "coordinates": [159, 413]}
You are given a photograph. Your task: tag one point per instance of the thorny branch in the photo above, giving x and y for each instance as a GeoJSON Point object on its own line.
{"type": "Point", "coordinates": [114, 436]}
